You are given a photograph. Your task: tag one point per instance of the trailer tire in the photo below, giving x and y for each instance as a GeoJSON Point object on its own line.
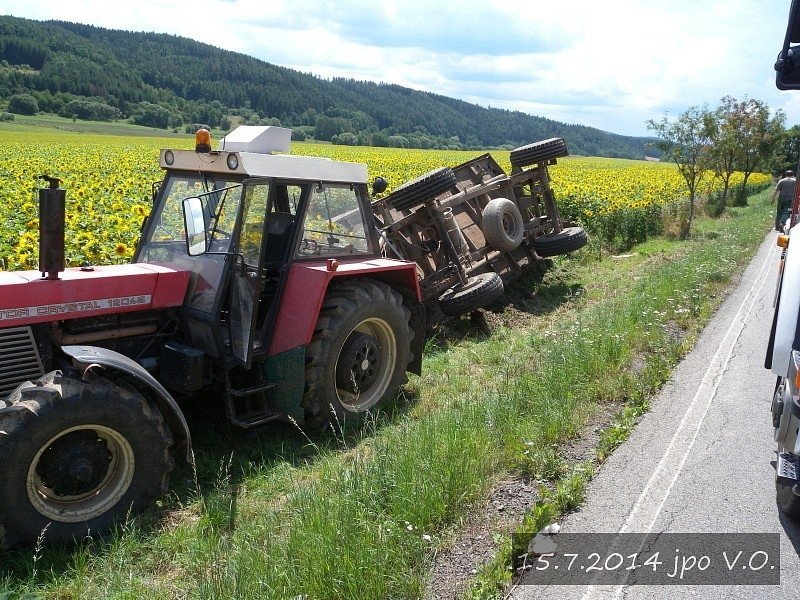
{"type": "Point", "coordinates": [502, 225]}
{"type": "Point", "coordinates": [788, 501]}
{"type": "Point", "coordinates": [422, 189]}
{"type": "Point", "coordinates": [555, 244]}
{"type": "Point", "coordinates": [538, 152]}
{"type": "Point", "coordinates": [358, 355]}
{"type": "Point", "coordinates": [78, 456]}
{"type": "Point", "coordinates": [479, 291]}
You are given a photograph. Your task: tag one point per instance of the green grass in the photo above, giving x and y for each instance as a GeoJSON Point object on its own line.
{"type": "Point", "coordinates": [33, 123]}
{"type": "Point", "coordinates": [280, 515]}
{"type": "Point", "coordinates": [661, 314]}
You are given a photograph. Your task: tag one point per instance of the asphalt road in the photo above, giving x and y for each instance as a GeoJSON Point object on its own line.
{"type": "Point", "coordinates": [701, 461]}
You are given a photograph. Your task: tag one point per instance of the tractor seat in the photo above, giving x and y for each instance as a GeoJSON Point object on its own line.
{"type": "Point", "coordinates": [279, 232]}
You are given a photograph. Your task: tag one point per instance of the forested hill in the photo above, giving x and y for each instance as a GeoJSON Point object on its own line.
{"type": "Point", "coordinates": [161, 80]}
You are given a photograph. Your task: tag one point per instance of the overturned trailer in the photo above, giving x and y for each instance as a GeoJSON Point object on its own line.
{"type": "Point", "coordinates": [472, 227]}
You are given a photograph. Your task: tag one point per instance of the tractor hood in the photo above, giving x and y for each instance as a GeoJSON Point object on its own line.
{"type": "Point", "coordinates": [26, 298]}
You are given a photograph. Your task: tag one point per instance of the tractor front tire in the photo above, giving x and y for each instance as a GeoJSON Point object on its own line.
{"type": "Point", "coordinates": [358, 355]}
{"type": "Point", "coordinates": [76, 456]}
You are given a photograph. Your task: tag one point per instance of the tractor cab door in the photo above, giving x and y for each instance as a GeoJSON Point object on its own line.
{"type": "Point", "coordinates": [247, 282]}
{"type": "Point", "coordinates": [206, 250]}
{"type": "Point", "coordinates": [265, 236]}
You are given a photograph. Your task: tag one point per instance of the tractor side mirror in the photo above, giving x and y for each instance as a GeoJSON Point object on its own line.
{"type": "Point", "coordinates": [195, 224]}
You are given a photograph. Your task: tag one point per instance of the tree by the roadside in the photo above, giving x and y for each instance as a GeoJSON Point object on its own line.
{"type": "Point", "coordinates": [686, 141]}
{"type": "Point", "coordinates": [788, 151]}
{"type": "Point", "coordinates": [726, 141]}
{"type": "Point", "coordinates": [758, 138]}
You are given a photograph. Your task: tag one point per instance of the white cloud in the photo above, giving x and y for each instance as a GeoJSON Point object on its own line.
{"type": "Point", "coordinates": [609, 64]}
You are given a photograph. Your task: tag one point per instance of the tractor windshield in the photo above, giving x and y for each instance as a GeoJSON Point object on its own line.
{"type": "Point", "coordinates": [164, 239]}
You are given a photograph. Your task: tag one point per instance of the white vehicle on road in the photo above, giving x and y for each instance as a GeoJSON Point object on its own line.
{"type": "Point", "coordinates": [783, 351]}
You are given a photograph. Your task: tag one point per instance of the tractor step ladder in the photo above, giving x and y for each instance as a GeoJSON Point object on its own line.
{"type": "Point", "coordinates": [787, 469]}
{"type": "Point", "coordinates": [249, 406]}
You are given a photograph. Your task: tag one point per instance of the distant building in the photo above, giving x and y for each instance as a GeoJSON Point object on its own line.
{"type": "Point", "coordinates": [652, 159]}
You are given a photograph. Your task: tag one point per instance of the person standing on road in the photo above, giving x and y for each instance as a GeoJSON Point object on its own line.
{"type": "Point", "coordinates": [784, 191]}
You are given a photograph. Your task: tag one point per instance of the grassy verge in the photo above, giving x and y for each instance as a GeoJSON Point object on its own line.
{"type": "Point", "coordinates": [674, 300]}
{"type": "Point", "coordinates": [280, 515]}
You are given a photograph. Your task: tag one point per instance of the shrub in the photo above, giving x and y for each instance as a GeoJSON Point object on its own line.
{"type": "Point", "coordinates": [397, 141]}
{"type": "Point", "coordinates": [90, 110]}
{"type": "Point", "coordinates": [345, 139]}
{"type": "Point", "coordinates": [193, 127]}
{"type": "Point", "coordinates": [675, 217]}
{"type": "Point", "coordinates": [6, 116]}
{"type": "Point", "coordinates": [23, 104]}
{"type": "Point", "coordinates": [151, 115]}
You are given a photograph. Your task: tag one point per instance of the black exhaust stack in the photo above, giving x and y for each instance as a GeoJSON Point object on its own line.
{"type": "Point", "coordinates": [52, 206]}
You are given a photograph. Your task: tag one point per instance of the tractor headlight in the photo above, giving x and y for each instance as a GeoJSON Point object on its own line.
{"type": "Point", "coordinates": [233, 162]}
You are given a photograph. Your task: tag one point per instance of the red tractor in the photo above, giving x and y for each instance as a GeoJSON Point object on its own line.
{"type": "Point", "coordinates": [265, 275]}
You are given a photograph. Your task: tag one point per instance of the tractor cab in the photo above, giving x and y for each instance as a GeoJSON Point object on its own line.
{"type": "Point", "coordinates": [248, 225]}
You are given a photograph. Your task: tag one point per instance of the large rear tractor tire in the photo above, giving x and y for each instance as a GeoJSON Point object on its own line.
{"type": "Point", "coordinates": [358, 355]}
{"type": "Point", "coordinates": [422, 189]}
{"type": "Point", "coordinates": [555, 244]}
{"type": "Point", "coordinates": [479, 291]}
{"type": "Point", "coordinates": [538, 152]}
{"type": "Point", "coordinates": [503, 226]}
{"type": "Point", "coordinates": [77, 456]}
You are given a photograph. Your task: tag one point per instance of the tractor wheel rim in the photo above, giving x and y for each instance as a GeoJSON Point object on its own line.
{"type": "Point", "coordinates": [359, 362]}
{"type": "Point", "coordinates": [371, 369]}
{"type": "Point", "coordinates": [80, 473]}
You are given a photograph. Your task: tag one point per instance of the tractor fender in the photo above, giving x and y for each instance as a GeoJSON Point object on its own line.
{"type": "Point", "coordinates": [308, 283]}
{"type": "Point", "coordinates": [85, 357]}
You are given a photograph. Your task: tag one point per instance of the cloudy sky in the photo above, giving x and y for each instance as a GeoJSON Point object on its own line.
{"type": "Point", "coordinates": [610, 64]}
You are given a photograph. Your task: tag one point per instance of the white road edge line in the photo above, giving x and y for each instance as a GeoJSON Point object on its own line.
{"type": "Point", "coordinates": [712, 373]}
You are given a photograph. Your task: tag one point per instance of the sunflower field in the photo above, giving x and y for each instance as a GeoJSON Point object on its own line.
{"type": "Point", "coordinates": [622, 202]}
{"type": "Point", "coordinates": [109, 185]}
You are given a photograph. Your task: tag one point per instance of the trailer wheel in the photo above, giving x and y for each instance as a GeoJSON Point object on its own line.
{"type": "Point", "coordinates": [422, 189]}
{"type": "Point", "coordinates": [78, 456]}
{"type": "Point", "coordinates": [788, 501]}
{"type": "Point", "coordinates": [554, 244]}
{"type": "Point", "coordinates": [477, 293]}
{"type": "Point", "coordinates": [358, 355]}
{"type": "Point", "coordinates": [503, 226]}
{"type": "Point", "coordinates": [538, 152]}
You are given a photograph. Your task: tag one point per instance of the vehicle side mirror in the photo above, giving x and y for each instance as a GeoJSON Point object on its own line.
{"type": "Point", "coordinates": [379, 186]}
{"type": "Point", "coordinates": [787, 67]}
{"type": "Point", "coordinates": [195, 223]}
